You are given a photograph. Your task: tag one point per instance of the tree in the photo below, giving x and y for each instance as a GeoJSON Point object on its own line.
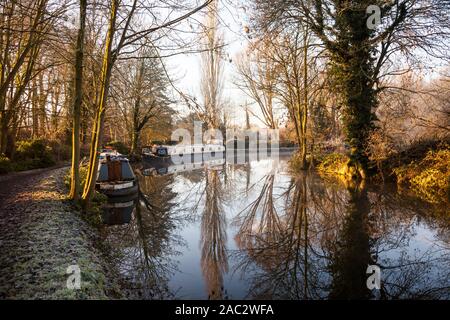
{"type": "Point", "coordinates": [22, 31]}
{"type": "Point", "coordinates": [292, 54]}
{"type": "Point", "coordinates": [32, 67]}
{"type": "Point", "coordinates": [212, 70]}
{"type": "Point", "coordinates": [258, 77]}
{"type": "Point", "coordinates": [127, 36]}
{"type": "Point", "coordinates": [97, 130]}
{"type": "Point", "coordinates": [359, 53]}
{"type": "Point", "coordinates": [141, 91]}
{"type": "Point", "coordinates": [77, 101]}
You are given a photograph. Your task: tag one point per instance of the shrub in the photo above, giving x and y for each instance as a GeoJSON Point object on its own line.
{"type": "Point", "coordinates": [119, 146]}
{"type": "Point", "coordinates": [428, 177]}
{"type": "Point", "coordinates": [5, 164]}
{"type": "Point", "coordinates": [295, 162]}
{"type": "Point", "coordinates": [333, 163]}
{"type": "Point", "coordinates": [379, 148]}
{"type": "Point", "coordinates": [32, 154]}
{"type": "Point", "coordinates": [83, 175]}
{"type": "Point", "coordinates": [60, 151]}
{"type": "Point", "coordinates": [31, 149]}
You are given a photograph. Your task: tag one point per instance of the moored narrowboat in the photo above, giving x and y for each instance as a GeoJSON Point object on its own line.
{"type": "Point", "coordinates": [116, 177]}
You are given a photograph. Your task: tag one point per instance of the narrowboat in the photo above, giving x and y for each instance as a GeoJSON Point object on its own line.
{"type": "Point", "coordinates": [115, 176]}
{"type": "Point", "coordinates": [182, 150]}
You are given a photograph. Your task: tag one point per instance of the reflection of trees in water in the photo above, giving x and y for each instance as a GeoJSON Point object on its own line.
{"type": "Point", "coordinates": [217, 186]}
{"type": "Point", "coordinates": [422, 274]}
{"type": "Point", "coordinates": [260, 218]}
{"type": "Point", "coordinates": [142, 247]}
{"type": "Point", "coordinates": [220, 184]}
{"type": "Point", "coordinates": [325, 239]}
{"type": "Point", "coordinates": [351, 254]}
{"type": "Point", "coordinates": [214, 261]}
{"type": "Point", "coordinates": [276, 243]}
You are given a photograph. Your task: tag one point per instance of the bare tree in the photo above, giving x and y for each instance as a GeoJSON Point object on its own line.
{"type": "Point", "coordinates": [126, 36]}
{"type": "Point", "coordinates": [258, 77]}
{"type": "Point", "coordinates": [19, 51]}
{"type": "Point", "coordinates": [211, 85]}
{"type": "Point", "coordinates": [141, 94]}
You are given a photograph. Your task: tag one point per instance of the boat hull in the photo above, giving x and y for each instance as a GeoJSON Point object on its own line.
{"type": "Point", "coordinates": [120, 192]}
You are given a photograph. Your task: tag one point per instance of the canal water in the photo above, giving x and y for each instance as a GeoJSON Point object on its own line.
{"type": "Point", "coordinates": [217, 230]}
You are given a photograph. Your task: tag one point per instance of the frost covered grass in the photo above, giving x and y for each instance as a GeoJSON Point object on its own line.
{"type": "Point", "coordinates": [42, 234]}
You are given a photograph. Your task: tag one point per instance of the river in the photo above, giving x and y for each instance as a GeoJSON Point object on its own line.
{"type": "Point", "coordinates": [255, 231]}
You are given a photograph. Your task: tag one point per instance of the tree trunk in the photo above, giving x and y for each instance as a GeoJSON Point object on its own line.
{"type": "Point", "coordinates": [11, 114]}
{"type": "Point", "coordinates": [42, 105]}
{"type": "Point", "coordinates": [97, 131]}
{"type": "Point", "coordinates": [136, 129]}
{"type": "Point", "coordinates": [3, 137]}
{"type": "Point", "coordinates": [304, 118]}
{"type": "Point", "coordinates": [353, 70]}
{"type": "Point", "coordinates": [34, 110]}
{"type": "Point", "coordinates": [134, 142]}
{"type": "Point", "coordinates": [78, 99]}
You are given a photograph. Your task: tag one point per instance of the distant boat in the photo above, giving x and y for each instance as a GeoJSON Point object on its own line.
{"type": "Point", "coordinates": [115, 175]}
{"type": "Point", "coordinates": [182, 150]}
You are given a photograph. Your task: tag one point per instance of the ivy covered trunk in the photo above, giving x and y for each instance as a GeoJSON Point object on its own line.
{"type": "Point", "coordinates": [353, 70]}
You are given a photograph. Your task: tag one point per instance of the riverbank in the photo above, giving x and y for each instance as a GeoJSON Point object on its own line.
{"type": "Point", "coordinates": [423, 169]}
{"type": "Point", "coordinates": [41, 235]}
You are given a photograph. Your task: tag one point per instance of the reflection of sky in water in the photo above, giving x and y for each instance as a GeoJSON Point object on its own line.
{"type": "Point", "coordinates": [409, 246]}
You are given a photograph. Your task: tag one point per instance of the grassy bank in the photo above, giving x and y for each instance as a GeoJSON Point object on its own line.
{"type": "Point", "coordinates": [423, 168]}
{"type": "Point", "coordinates": [53, 236]}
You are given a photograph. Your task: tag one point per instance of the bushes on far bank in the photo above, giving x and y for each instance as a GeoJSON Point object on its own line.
{"type": "Point", "coordinates": [333, 163]}
{"type": "Point", "coordinates": [428, 177]}
{"type": "Point", "coordinates": [426, 172]}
